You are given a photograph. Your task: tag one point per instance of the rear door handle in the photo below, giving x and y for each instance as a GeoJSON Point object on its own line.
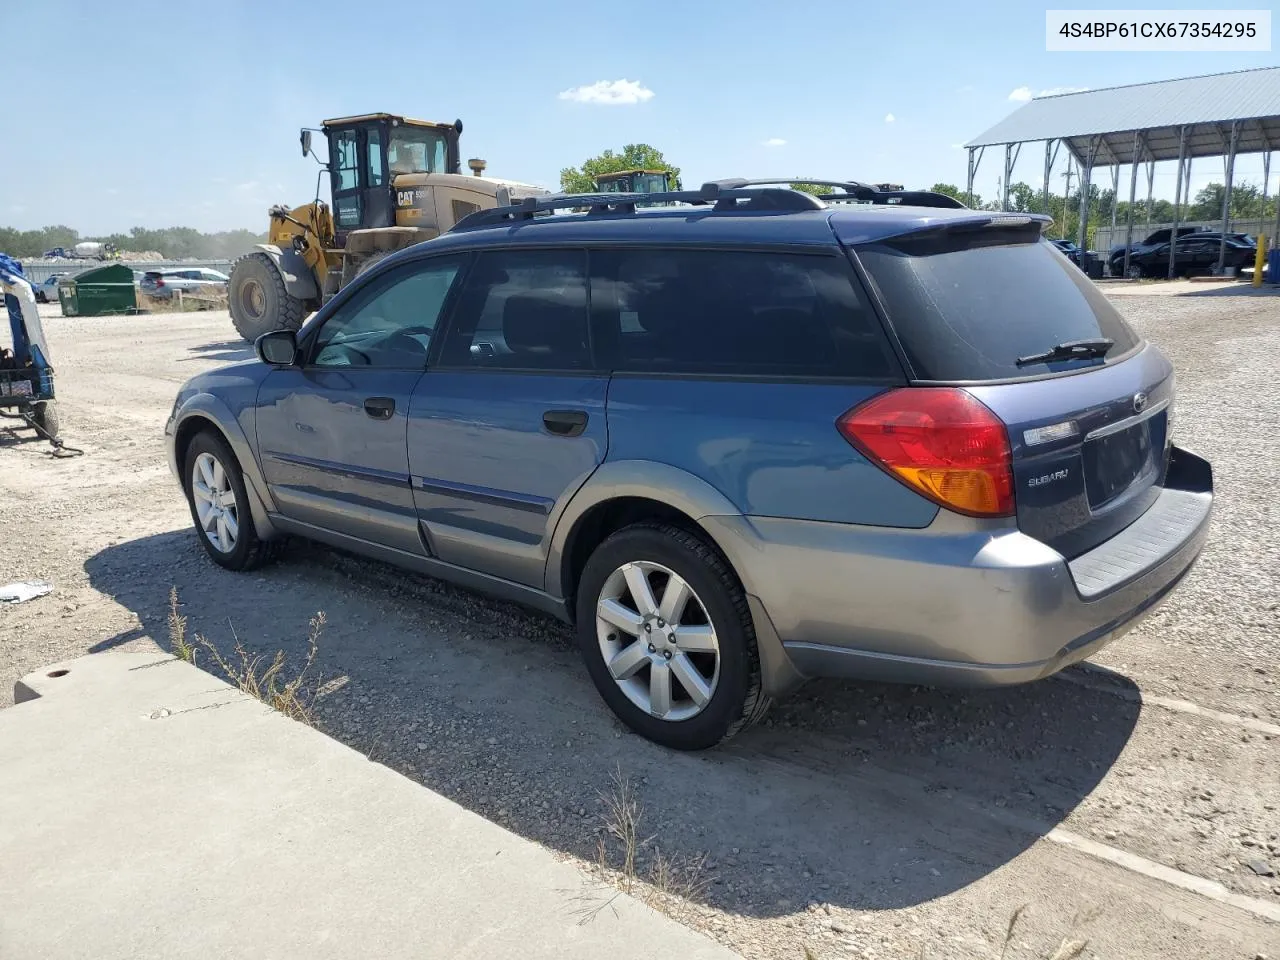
{"type": "Point", "coordinates": [565, 423]}
{"type": "Point", "coordinates": [380, 408]}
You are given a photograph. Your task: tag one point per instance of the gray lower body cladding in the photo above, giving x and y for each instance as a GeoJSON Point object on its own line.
{"type": "Point", "coordinates": [960, 602]}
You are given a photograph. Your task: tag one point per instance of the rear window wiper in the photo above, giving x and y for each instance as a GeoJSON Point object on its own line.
{"type": "Point", "coordinates": [1071, 350]}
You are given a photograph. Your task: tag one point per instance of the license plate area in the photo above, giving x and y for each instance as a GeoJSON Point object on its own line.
{"type": "Point", "coordinates": [1117, 462]}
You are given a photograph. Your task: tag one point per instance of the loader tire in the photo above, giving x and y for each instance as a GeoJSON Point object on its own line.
{"type": "Point", "coordinates": [258, 299]}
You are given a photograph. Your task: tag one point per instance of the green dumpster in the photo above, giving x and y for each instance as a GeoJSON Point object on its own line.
{"type": "Point", "coordinates": [100, 291]}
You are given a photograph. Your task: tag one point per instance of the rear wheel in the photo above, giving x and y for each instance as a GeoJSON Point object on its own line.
{"type": "Point", "coordinates": [258, 299]}
{"type": "Point", "coordinates": [665, 631]}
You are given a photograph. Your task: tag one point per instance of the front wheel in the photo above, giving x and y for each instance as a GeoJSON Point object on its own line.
{"type": "Point", "coordinates": [220, 505]}
{"type": "Point", "coordinates": [664, 629]}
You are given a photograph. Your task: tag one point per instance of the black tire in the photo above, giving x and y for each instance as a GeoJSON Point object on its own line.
{"type": "Point", "coordinates": [258, 300]}
{"type": "Point", "coordinates": [249, 552]}
{"type": "Point", "coordinates": [45, 415]}
{"type": "Point", "coordinates": [738, 699]}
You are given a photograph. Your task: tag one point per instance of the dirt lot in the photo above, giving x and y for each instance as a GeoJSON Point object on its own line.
{"type": "Point", "coordinates": [1131, 804]}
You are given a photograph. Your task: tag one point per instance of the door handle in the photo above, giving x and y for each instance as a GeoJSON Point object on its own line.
{"type": "Point", "coordinates": [380, 408]}
{"type": "Point", "coordinates": [565, 423]}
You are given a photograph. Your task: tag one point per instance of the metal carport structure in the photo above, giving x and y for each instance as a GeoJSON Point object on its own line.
{"type": "Point", "coordinates": [1220, 115]}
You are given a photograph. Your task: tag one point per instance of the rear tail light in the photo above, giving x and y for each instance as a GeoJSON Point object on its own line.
{"type": "Point", "coordinates": [159, 281]}
{"type": "Point", "coordinates": [941, 442]}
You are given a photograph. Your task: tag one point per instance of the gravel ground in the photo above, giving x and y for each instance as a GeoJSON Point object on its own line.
{"type": "Point", "coordinates": [862, 820]}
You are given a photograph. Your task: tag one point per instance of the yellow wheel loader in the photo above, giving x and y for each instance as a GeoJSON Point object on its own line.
{"type": "Point", "coordinates": [394, 182]}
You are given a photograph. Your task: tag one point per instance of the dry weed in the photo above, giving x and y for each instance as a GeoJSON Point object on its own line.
{"type": "Point", "coordinates": [252, 673]}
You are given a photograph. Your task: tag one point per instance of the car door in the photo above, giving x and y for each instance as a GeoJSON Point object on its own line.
{"type": "Point", "coordinates": [332, 428]}
{"type": "Point", "coordinates": [510, 421]}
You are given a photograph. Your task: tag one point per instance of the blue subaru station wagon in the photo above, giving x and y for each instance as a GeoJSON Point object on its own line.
{"type": "Point", "coordinates": [738, 439]}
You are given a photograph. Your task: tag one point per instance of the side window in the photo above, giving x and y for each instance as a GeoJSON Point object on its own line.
{"type": "Point", "coordinates": [522, 310]}
{"type": "Point", "coordinates": [391, 323]}
{"type": "Point", "coordinates": [375, 157]}
{"type": "Point", "coordinates": [733, 312]}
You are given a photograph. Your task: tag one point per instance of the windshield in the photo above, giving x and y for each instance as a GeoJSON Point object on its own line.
{"type": "Point", "coordinates": [417, 150]}
{"type": "Point", "coordinates": [650, 183]}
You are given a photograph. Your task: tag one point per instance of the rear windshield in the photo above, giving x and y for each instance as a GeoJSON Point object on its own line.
{"type": "Point", "coordinates": [967, 309]}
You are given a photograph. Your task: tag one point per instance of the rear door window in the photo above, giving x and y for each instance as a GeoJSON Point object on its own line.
{"type": "Point", "coordinates": [966, 307]}
{"type": "Point", "coordinates": [735, 313]}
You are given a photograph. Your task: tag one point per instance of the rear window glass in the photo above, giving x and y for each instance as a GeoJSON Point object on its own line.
{"type": "Point", "coordinates": [967, 311]}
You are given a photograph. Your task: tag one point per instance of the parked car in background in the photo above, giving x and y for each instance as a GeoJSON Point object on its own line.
{"type": "Point", "coordinates": [162, 284]}
{"type": "Point", "coordinates": [737, 446]}
{"type": "Point", "coordinates": [1115, 259]}
{"type": "Point", "coordinates": [47, 290]}
{"type": "Point", "coordinates": [1195, 253]}
{"type": "Point", "coordinates": [1069, 248]}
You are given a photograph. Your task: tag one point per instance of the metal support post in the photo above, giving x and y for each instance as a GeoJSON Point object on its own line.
{"type": "Point", "coordinates": [1086, 175]}
{"type": "Point", "coordinates": [1226, 195]}
{"type": "Point", "coordinates": [1177, 198]}
{"type": "Point", "coordinates": [1138, 143]}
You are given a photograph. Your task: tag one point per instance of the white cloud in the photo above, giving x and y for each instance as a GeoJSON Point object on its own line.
{"type": "Point", "coordinates": [1023, 94]}
{"type": "Point", "coordinates": [775, 142]}
{"type": "Point", "coordinates": [609, 92]}
{"type": "Point", "coordinates": [889, 118]}
{"type": "Point", "coordinates": [249, 185]}
{"type": "Point", "coordinates": [957, 146]}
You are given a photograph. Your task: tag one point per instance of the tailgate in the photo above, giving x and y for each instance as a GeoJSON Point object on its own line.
{"type": "Point", "coordinates": [984, 306]}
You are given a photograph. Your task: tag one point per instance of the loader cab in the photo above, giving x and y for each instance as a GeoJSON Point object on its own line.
{"type": "Point", "coordinates": [635, 181]}
{"type": "Point", "coordinates": [367, 153]}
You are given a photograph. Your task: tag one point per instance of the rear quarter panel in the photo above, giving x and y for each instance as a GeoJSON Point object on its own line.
{"type": "Point", "coordinates": [771, 449]}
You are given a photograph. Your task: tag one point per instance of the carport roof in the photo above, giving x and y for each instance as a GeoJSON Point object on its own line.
{"type": "Point", "coordinates": [1206, 106]}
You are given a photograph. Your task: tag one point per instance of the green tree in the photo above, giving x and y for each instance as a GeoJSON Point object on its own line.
{"type": "Point", "coordinates": [634, 156]}
{"type": "Point", "coordinates": [816, 189]}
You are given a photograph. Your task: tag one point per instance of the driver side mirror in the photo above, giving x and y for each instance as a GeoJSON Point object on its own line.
{"type": "Point", "coordinates": [279, 348]}
{"type": "Point", "coordinates": [305, 139]}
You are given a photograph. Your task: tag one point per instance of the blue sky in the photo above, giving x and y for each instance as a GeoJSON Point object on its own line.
{"type": "Point", "coordinates": [187, 114]}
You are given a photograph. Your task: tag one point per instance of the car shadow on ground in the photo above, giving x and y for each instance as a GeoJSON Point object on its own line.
{"type": "Point", "coordinates": [225, 351]}
{"type": "Point", "coordinates": [865, 796]}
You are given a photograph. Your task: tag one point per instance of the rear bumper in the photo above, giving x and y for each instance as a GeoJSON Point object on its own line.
{"type": "Point", "coordinates": [957, 603]}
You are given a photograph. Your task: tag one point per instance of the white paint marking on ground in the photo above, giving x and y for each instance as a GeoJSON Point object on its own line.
{"type": "Point", "coordinates": [1155, 871]}
{"type": "Point", "coordinates": [1178, 706]}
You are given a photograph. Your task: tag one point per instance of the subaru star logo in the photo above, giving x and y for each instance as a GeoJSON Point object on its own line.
{"type": "Point", "coordinates": [1139, 402]}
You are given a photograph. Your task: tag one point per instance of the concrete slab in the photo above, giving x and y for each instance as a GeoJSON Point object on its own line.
{"type": "Point", "coordinates": [147, 809]}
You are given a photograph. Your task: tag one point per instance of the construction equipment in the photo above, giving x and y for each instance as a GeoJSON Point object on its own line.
{"type": "Point", "coordinates": [636, 181]}
{"type": "Point", "coordinates": [26, 375]}
{"type": "Point", "coordinates": [394, 182]}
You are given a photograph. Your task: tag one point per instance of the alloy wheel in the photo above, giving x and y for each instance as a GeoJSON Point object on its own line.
{"type": "Point", "coordinates": [657, 640]}
{"type": "Point", "coordinates": [215, 500]}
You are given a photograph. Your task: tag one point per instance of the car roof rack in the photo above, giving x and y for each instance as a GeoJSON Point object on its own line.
{"type": "Point", "coordinates": [720, 198]}
{"type": "Point", "coordinates": [855, 191]}
{"type": "Point", "coordinates": [775, 195]}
